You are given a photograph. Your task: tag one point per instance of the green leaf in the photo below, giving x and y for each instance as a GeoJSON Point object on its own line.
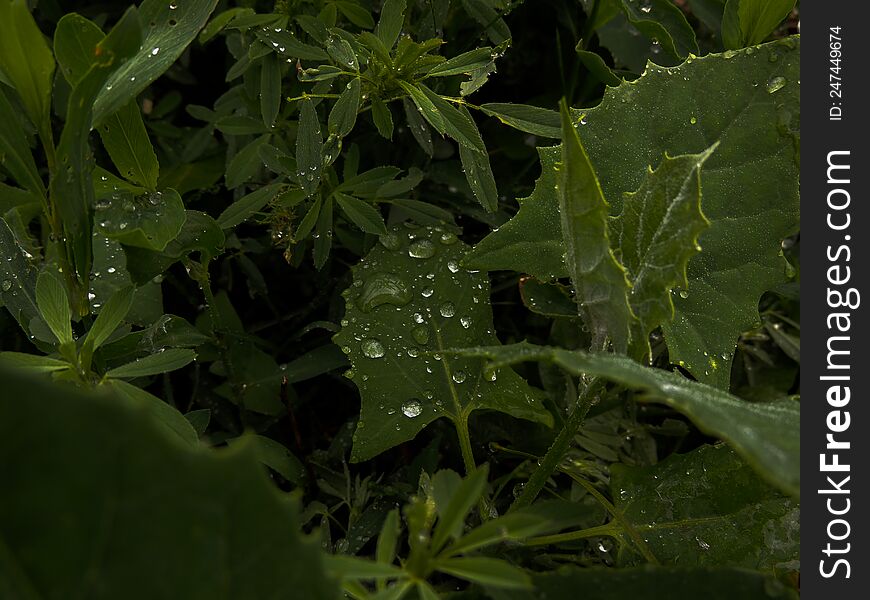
{"type": "Point", "coordinates": [323, 233]}
{"type": "Point", "coordinates": [248, 205]}
{"type": "Point", "coordinates": [355, 13]}
{"type": "Point", "coordinates": [26, 62]}
{"type": "Point", "coordinates": [277, 38]}
{"type": "Point", "coordinates": [651, 583]}
{"type": "Point", "coordinates": [270, 88]}
{"type": "Point", "coordinates": [219, 22]}
{"type": "Point", "coordinates": [170, 27]}
{"type": "Point", "coordinates": [478, 172]}
{"type": "Point", "coordinates": [664, 23]}
{"type": "Point", "coordinates": [89, 445]}
{"type": "Point", "coordinates": [749, 22]}
{"type": "Point", "coordinates": [154, 364]}
{"type": "Point", "coordinates": [388, 538]}
{"type": "Point", "coordinates": [149, 221]}
{"type": "Point", "coordinates": [15, 153]}
{"type": "Point", "coordinates": [550, 299]}
{"type": "Point", "coordinates": [391, 21]}
{"type": "Point", "coordinates": [657, 235]}
{"type": "Point", "coordinates": [54, 306]}
{"type": "Point", "coordinates": [111, 315]}
{"type": "Point", "coordinates": [274, 455]}
{"type": "Point", "coordinates": [350, 567]}
{"type": "Point", "coordinates": [172, 421]}
{"type": "Point", "coordinates": [419, 128]}
{"type": "Point", "coordinates": [383, 118]}
{"type": "Point", "coordinates": [517, 525]}
{"type": "Point", "coordinates": [451, 518]}
{"type": "Point", "coordinates": [340, 50]}
{"type": "Point", "coordinates": [445, 117]}
{"type": "Point", "coordinates": [486, 571]}
{"type": "Point", "coordinates": [597, 67]}
{"type": "Point", "coordinates": [32, 362]}
{"type": "Point", "coordinates": [309, 143]}
{"type": "Point", "coordinates": [463, 63]}
{"type": "Point", "coordinates": [600, 282]}
{"type": "Point", "coordinates": [400, 319]}
{"type": "Point", "coordinates": [750, 188]}
{"type": "Point", "coordinates": [483, 12]}
{"type": "Point", "coordinates": [531, 119]}
{"type": "Point", "coordinates": [126, 140]}
{"type": "Point", "coordinates": [765, 434]}
{"type": "Point", "coordinates": [362, 214]}
{"type": "Point", "coordinates": [17, 279]}
{"type": "Point", "coordinates": [707, 508]}
{"type": "Point", "coordinates": [342, 117]}
{"type": "Point", "coordinates": [72, 179]}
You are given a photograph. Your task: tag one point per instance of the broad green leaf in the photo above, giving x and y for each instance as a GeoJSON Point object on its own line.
{"type": "Point", "coordinates": [383, 118]}
{"type": "Point", "coordinates": [89, 445]}
{"type": "Point", "coordinates": [749, 22]}
{"type": "Point", "coordinates": [662, 22]}
{"type": "Point", "coordinates": [409, 302]}
{"type": "Point", "coordinates": [340, 50]}
{"type": "Point", "coordinates": [126, 140]}
{"type": "Point", "coordinates": [153, 364]}
{"type": "Point", "coordinates": [54, 306]}
{"type": "Point", "coordinates": [270, 88]}
{"type": "Point", "coordinates": [483, 12]}
{"type": "Point", "coordinates": [657, 234]}
{"type": "Point", "coordinates": [451, 517]}
{"type": "Point", "coordinates": [651, 583]}
{"type": "Point", "coordinates": [17, 279]}
{"type": "Point", "coordinates": [463, 63]}
{"type": "Point", "coordinates": [72, 179]}
{"type": "Point", "coordinates": [172, 421]}
{"type": "Point", "coordinates": [26, 62]}
{"type": "Point", "coordinates": [750, 187]}
{"type": "Point", "coordinates": [391, 21]}
{"type": "Point", "coordinates": [277, 38]}
{"type": "Point", "coordinates": [444, 117]}
{"type": "Point", "coordinates": [362, 214]}
{"type": "Point", "coordinates": [486, 571]}
{"type": "Point", "coordinates": [110, 275]}
{"type": "Point", "coordinates": [150, 221]}
{"type": "Point", "coordinates": [247, 206]}
{"type": "Point", "coordinates": [550, 299]}
{"type": "Point", "coordinates": [111, 315]}
{"type": "Point", "coordinates": [342, 117]}
{"type": "Point", "coordinates": [597, 67]}
{"type": "Point", "coordinates": [355, 13]}
{"type": "Point", "coordinates": [601, 286]}
{"type": "Point", "coordinates": [32, 362]}
{"type": "Point", "coordinates": [707, 508]}
{"type": "Point", "coordinates": [309, 143]}
{"type": "Point", "coordinates": [765, 434]}
{"type": "Point", "coordinates": [478, 172]}
{"type": "Point", "coordinates": [168, 29]}
{"type": "Point", "coordinates": [15, 153]}
{"type": "Point", "coordinates": [531, 119]}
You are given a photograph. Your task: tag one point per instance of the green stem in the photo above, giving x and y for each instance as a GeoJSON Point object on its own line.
{"type": "Point", "coordinates": [465, 443]}
{"type": "Point", "coordinates": [557, 450]}
{"type": "Point", "coordinates": [608, 529]}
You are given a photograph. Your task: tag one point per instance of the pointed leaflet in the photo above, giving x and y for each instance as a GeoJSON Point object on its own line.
{"type": "Point", "coordinates": [15, 154]}
{"type": "Point", "coordinates": [749, 102]}
{"type": "Point", "coordinates": [765, 434]}
{"type": "Point", "coordinates": [17, 279]}
{"type": "Point", "coordinates": [409, 301]}
{"type": "Point", "coordinates": [657, 233]}
{"type": "Point", "coordinates": [707, 508]}
{"type": "Point", "coordinates": [600, 284]}
{"type": "Point", "coordinates": [203, 510]}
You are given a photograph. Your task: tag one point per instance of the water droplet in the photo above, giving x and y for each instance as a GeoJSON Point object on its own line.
{"type": "Point", "coordinates": [383, 288]}
{"type": "Point", "coordinates": [693, 120]}
{"type": "Point", "coordinates": [427, 292]}
{"type": "Point", "coordinates": [453, 266]}
{"type": "Point", "coordinates": [459, 376]}
{"type": "Point", "coordinates": [173, 6]}
{"type": "Point", "coordinates": [110, 270]}
{"type": "Point", "coordinates": [684, 294]}
{"type": "Point", "coordinates": [372, 348]}
{"type": "Point", "coordinates": [155, 51]}
{"type": "Point", "coordinates": [775, 84]}
{"type": "Point", "coordinates": [419, 319]}
{"type": "Point", "coordinates": [702, 544]}
{"type": "Point", "coordinates": [412, 408]}
{"type": "Point", "coordinates": [6, 285]}
{"type": "Point", "coordinates": [420, 335]}
{"type": "Point", "coordinates": [421, 249]}
{"type": "Point", "coordinates": [449, 238]}
{"type": "Point", "coordinates": [447, 309]}
{"type": "Point", "coordinates": [465, 321]}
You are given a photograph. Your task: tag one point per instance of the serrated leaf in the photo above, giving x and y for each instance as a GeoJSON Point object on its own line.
{"type": "Point", "coordinates": [419, 128]}
{"type": "Point", "coordinates": [54, 306]}
{"type": "Point", "coordinates": [153, 364]}
{"type": "Point", "coordinates": [550, 299]}
{"type": "Point", "coordinates": [26, 62]}
{"type": "Point", "coordinates": [362, 214]}
{"type": "Point", "coordinates": [277, 39]}
{"type": "Point", "coordinates": [340, 50]}
{"type": "Point", "coordinates": [657, 233]}
{"type": "Point", "coordinates": [126, 140]}
{"type": "Point", "coordinates": [706, 508]}
{"type": "Point", "coordinates": [309, 143]}
{"type": "Point", "coordinates": [651, 583]}
{"type": "Point", "coordinates": [168, 28]}
{"type": "Point", "coordinates": [89, 445]}
{"type": "Point", "coordinates": [600, 282]}
{"type": "Point", "coordinates": [531, 119]}
{"type": "Point", "coordinates": [342, 117]}
{"type": "Point", "coordinates": [149, 221]}
{"type": "Point", "coordinates": [765, 434]}
{"type": "Point", "coordinates": [749, 22]}
{"type": "Point", "coordinates": [15, 153]}
{"type": "Point", "coordinates": [398, 318]}
{"type": "Point", "coordinates": [444, 117]}
{"type": "Point", "coordinates": [390, 23]}
{"type": "Point", "coordinates": [383, 118]}
{"type": "Point", "coordinates": [750, 188]}
{"type": "Point", "coordinates": [662, 22]}
{"type": "Point", "coordinates": [270, 88]}
{"type": "Point", "coordinates": [463, 63]}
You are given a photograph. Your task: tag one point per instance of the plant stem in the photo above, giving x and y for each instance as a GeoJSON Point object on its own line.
{"type": "Point", "coordinates": [557, 450]}
{"type": "Point", "coordinates": [607, 529]}
{"type": "Point", "coordinates": [465, 443]}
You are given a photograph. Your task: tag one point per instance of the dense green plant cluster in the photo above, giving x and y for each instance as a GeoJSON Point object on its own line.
{"type": "Point", "coordinates": [399, 299]}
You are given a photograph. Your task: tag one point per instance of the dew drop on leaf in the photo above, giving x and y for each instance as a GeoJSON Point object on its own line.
{"type": "Point", "coordinates": [447, 309]}
{"type": "Point", "coordinates": [775, 84]}
{"type": "Point", "coordinates": [459, 377]}
{"type": "Point", "coordinates": [421, 249]}
{"type": "Point", "coordinates": [6, 285]}
{"type": "Point", "coordinates": [684, 294]}
{"type": "Point", "coordinates": [412, 408]}
{"type": "Point", "coordinates": [448, 238]}
{"type": "Point", "coordinates": [383, 288]}
{"type": "Point", "coordinates": [372, 348]}
{"type": "Point", "coordinates": [420, 335]}
{"type": "Point", "coordinates": [465, 321]}
{"type": "Point", "coordinates": [453, 266]}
